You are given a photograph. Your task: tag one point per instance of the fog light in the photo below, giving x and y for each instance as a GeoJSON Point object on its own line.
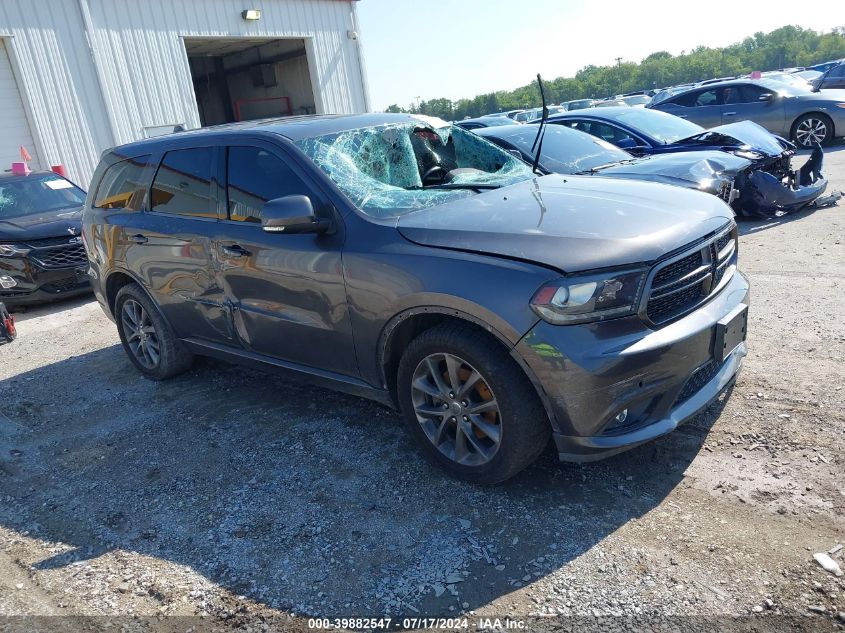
{"type": "Point", "coordinates": [251, 14]}
{"type": "Point", "coordinates": [621, 416]}
{"type": "Point", "coordinates": [7, 282]}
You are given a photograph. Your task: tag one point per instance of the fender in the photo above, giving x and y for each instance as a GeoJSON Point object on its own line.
{"type": "Point", "coordinates": [510, 345]}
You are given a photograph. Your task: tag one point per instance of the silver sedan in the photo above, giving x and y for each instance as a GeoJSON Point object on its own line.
{"type": "Point", "coordinates": [807, 117]}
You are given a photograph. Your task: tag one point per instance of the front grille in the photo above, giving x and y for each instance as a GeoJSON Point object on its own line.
{"type": "Point", "coordinates": [67, 256]}
{"type": "Point", "coordinates": [63, 285]}
{"type": "Point", "coordinates": [699, 378]}
{"type": "Point", "coordinates": [50, 241]}
{"type": "Point", "coordinates": [682, 283]}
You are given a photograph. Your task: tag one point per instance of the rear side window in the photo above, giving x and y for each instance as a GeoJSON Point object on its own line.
{"type": "Point", "coordinates": [183, 184]}
{"type": "Point", "coordinates": [122, 186]}
{"type": "Point", "coordinates": [256, 176]}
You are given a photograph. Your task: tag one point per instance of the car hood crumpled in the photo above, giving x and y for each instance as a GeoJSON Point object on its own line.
{"type": "Point", "coordinates": [571, 223]}
{"type": "Point", "coordinates": [699, 169]}
{"type": "Point", "coordinates": [36, 226]}
{"type": "Point", "coordinates": [743, 134]}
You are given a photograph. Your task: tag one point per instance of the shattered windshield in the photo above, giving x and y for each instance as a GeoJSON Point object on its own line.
{"type": "Point", "coordinates": [29, 195]}
{"type": "Point", "coordinates": [392, 169]}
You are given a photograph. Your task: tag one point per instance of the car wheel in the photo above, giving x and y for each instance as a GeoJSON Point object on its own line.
{"type": "Point", "coordinates": [470, 405]}
{"type": "Point", "coordinates": [812, 129]}
{"type": "Point", "coordinates": [147, 338]}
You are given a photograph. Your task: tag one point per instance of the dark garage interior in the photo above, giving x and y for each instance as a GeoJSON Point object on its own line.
{"type": "Point", "coordinates": [238, 79]}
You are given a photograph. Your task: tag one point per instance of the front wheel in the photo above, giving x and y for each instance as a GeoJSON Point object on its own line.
{"type": "Point", "coordinates": [812, 129]}
{"type": "Point", "coordinates": [469, 405]}
{"type": "Point", "coordinates": [147, 338]}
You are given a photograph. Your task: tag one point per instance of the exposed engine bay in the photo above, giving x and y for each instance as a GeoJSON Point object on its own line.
{"type": "Point", "coordinates": [776, 189]}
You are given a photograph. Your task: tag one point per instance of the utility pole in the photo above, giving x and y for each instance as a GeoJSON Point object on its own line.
{"type": "Point", "coordinates": [619, 66]}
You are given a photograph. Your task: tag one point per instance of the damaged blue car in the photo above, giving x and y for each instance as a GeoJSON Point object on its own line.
{"type": "Point", "coordinates": [767, 186]}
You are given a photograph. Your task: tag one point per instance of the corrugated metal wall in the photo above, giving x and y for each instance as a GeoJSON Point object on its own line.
{"type": "Point", "coordinates": [143, 67]}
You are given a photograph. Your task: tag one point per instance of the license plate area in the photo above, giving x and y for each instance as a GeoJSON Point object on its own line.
{"type": "Point", "coordinates": [731, 330]}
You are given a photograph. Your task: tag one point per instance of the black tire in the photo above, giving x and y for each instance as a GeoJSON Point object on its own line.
{"type": "Point", "coordinates": [522, 423]}
{"type": "Point", "coordinates": [805, 130]}
{"type": "Point", "coordinates": [172, 356]}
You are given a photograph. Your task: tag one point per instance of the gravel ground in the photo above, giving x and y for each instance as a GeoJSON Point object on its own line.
{"type": "Point", "coordinates": [250, 499]}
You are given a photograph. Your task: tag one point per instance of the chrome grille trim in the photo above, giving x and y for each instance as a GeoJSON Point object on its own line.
{"type": "Point", "coordinates": [675, 297]}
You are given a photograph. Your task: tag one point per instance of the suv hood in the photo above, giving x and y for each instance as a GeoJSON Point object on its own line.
{"type": "Point", "coordinates": [743, 134]}
{"type": "Point", "coordinates": [42, 225]}
{"type": "Point", "coordinates": [571, 223]}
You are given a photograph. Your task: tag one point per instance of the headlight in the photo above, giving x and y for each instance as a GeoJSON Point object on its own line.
{"type": "Point", "coordinates": [10, 250]}
{"type": "Point", "coordinates": [749, 154]}
{"type": "Point", "coordinates": [594, 297]}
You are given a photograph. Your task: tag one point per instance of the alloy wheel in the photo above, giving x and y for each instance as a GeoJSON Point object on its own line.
{"type": "Point", "coordinates": [810, 132]}
{"type": "Point", "coordinates": [140, 334]}
{"type": "Point", "coordinates": [456, 409]}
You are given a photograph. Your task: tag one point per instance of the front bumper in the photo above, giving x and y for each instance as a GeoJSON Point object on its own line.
{"type": "Point", "coordinates": [34, 284]}
{"type": "Point", "coordinates": [590, 373]}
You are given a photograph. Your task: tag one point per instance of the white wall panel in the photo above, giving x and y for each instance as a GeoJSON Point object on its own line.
{"type": "Point", "coordinates": [142, 78]}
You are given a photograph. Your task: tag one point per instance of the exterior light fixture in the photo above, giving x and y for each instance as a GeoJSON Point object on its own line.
{"type": "Point", "coordinates": [251, 14]}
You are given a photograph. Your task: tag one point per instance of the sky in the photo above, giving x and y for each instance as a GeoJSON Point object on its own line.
{"type": "Point", "coordinates": [460, 48]}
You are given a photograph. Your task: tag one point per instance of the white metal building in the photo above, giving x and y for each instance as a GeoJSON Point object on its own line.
{"type": "Point", "coordinates": [79, 76]}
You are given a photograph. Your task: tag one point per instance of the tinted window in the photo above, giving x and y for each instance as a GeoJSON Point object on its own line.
{"type": "Point", "coordinates": [120, 183]}
{"type": "Point", "coordinates": [604, 131]}
{"type": "Point", "coordinates": [37, 193]}
{"type": "Point", "coordinates": [256, 176]}
{"type": "Point", "coordinates": [697, 99]}
{"type": "Point", "coordinates": [745, 93]}
{"type": "Point", "coordinates": [182, 185]}
{"type": "Point", "coordinates": [565, 151]}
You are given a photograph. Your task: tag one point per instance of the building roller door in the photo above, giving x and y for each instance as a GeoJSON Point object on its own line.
{"type": "Point", "coordinates": [15, 126]}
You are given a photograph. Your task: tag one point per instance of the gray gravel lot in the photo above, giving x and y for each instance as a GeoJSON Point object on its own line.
{"type": "Point", "coordinates": [238, 495]}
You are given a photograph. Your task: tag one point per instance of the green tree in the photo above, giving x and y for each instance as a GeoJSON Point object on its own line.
{"type": "Point", "coordinates": [785, 47]}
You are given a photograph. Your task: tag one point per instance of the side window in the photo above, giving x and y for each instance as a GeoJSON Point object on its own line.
{"type": "Point", "coordinates": [611, 133]}
{"type": "Point", "coordinates": [696, 99]}
{"type": "Point", "coordinates": [256, 176]}
{"type": "Point", "coordinates": [183, 184]}
{"type": "Point", "coordinates": [707, 98]}
{"type": "Point", "coordinates": [745, 93]}
{"type": "Point", "coordinates": [121, 186]}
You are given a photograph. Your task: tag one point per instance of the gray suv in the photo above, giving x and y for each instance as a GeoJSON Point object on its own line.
{"type": "Point", "coordinates": [410, 261]}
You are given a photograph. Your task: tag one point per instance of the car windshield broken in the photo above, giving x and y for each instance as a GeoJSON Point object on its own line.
{"type": "Point", "coordinates": [393, 169]}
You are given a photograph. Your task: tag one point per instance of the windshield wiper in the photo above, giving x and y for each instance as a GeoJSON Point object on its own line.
{"type": "Point", "coordinates": [456, 185]}
{"type": "Point", "coordinates": [538, 140]}
{"type": "Point", "coordinates": [598, 168]}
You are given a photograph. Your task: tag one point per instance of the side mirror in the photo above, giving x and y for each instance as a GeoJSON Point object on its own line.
{"type": "Point", "coordinates": [291, 214]}
{"type": "Point", "coordinates": [766, 96]}
{"type": "Point", "coordinates": [627, 143]}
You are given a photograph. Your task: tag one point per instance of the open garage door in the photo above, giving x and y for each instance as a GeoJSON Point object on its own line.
{"type": "Point", "coordinates": [238, 79]}
{"type": "Point", "coordinates": [16, 130]}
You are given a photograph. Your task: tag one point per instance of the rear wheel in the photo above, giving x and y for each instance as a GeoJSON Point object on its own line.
{"type": "Point", "coordinates": [469, 405]}
{"type": "Point", "coordinates": [812, 129]}
{"type": "Point", "coordinates": [147, 338]}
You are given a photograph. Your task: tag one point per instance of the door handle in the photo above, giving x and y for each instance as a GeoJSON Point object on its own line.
{"type": "Point", "coordinates": [139, 239]}
{"type": "Point", "coordinates": [684, 116]}
{"type": "Point", "coordinates": [235, 250]}
{"type": "Point", "coordinates": [730, 113]}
